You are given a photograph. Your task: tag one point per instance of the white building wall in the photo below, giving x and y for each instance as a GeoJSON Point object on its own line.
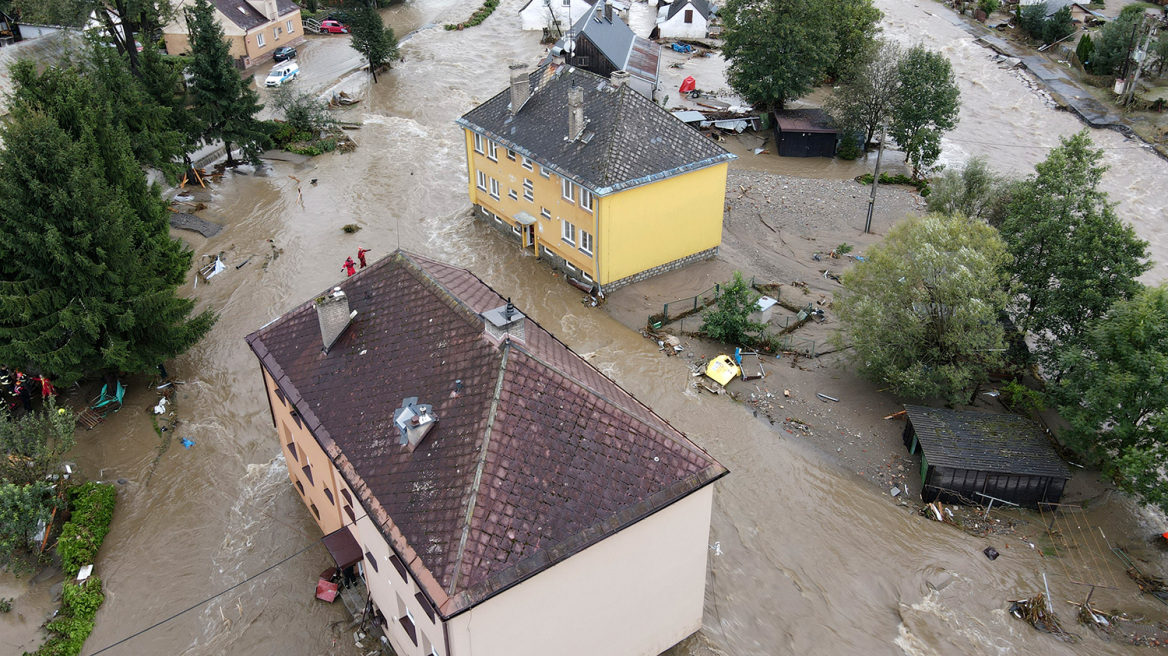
{"type": "Point", "coordinates": [636, 593]}
{"type": "Point", "coordinates": [394, 595]}
{"type": "Point", "coordinates": [537, 15]}
{"type": "Point", "coordinates": [677, 28]}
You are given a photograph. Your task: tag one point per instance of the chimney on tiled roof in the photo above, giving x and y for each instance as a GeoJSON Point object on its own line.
{"type": "Point", "coordinates": [504, 322]}
{"type": "Point", "coordinates": [575, 112]}
{"type": "Point", "coordinates": [608, 10]}
{"type": "Point", "coordinates": [619, 78]}
{"type": "Point", "coordinates": [414, 420]}
{"type": "Point", "coordinates": [520, 87]}
{"type": "Point", "coordinates": [333, 312]}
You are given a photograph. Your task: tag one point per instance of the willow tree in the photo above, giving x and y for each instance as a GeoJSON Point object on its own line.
{"type": "Point", "coordinates": [88, 270]}
{"type": "Point", "coordinates": [922, 311]}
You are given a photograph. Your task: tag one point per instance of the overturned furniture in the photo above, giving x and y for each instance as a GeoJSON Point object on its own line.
{"type": "Point", "coordinates": [106, 402]}
{"type": "Point", "coordinates": [971, 457]}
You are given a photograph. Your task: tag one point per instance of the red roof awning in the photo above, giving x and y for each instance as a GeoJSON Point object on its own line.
{"type": "Point", "coordinates": [343, 547]}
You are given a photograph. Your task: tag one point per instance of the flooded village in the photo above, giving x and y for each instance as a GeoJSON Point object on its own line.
{"type": "Point", "coordinates": [504, 426]}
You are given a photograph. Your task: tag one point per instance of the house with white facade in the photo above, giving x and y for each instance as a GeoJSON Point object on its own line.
{"type": "Point", "coordinates": [499, 494]}
{"type": "Point", "coordinates": [684, 19]}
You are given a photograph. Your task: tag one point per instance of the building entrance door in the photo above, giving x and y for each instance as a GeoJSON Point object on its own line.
{"type": "Point", "coordinates": [529, 236]}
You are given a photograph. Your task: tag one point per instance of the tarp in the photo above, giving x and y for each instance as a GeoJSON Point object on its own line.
{"type": "Point", "coordinates": [688, 84]}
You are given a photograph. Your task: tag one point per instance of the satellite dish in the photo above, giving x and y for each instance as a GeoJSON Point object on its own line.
{"type": "Point", "coordinates": [570, 46]}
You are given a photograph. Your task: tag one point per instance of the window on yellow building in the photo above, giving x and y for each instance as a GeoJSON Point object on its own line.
{"type": "Point", "coordinates": [568, 232]}
{"type": "Point", "coordinates": [527, 164]}
{"type": "Point", "coordinates": [494, 189]}
{"type": "Point", "coordinates": [569, 190]}
{"type": "Point", "coordinates": [528, 189]}
{"type": "Point", "coordinates": [545, 213]}
{"type": "Point", "coordinates": [315, 510]}
{"type": "Point", "coordinates": [329, 495]}
{"type": "Point", "coordinates": [289, 26]}
{"type": "Point", "coordinates": [482, 180]}
{"type": "Point", "coordinates": [511, 154]}
{"type": "Point", "coordinates": [478, 138]}
{"type": "Point", "coordinates": [492, 151]}
{"type": "Point", "coordinates": [585, 199]}
{"type": "Point", "coordinates": [512, 194]}
{"type": "Point", "coordinates": [585, 243]}
{"type": "Point", "coordinates": [545, 173]}
{"type": "Point", "coordinates": [586, 277]}
{"type": "Point", "coordinates": [260, 39]}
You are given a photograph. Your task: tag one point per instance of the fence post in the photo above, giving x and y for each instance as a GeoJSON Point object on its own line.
{"type": "Point", "coordinates": [695, 303]}
{"type": "Point", "coordinates": [665, 313]}
{"type": "Point", "coordinates": [717, 290]}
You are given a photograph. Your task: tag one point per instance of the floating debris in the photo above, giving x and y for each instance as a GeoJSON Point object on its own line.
{"type": "Point", "coordinates": [1035, 612]}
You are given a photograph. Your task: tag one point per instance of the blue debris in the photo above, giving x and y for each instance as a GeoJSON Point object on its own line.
{"type": "Point", "coordinates": [187, 442]}
{"type": "Point", "coordinates": [682, 47]}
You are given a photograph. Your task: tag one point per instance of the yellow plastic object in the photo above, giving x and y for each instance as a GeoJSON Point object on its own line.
{"type": "Point", "coordinates": [722, 369]}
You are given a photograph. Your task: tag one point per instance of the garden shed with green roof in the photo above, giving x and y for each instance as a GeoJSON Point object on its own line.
{"type": "Point", "coordinates": [967, 457]}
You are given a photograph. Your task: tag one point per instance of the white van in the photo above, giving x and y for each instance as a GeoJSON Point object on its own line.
{"type": "Point", "coordinates": [282, 72]}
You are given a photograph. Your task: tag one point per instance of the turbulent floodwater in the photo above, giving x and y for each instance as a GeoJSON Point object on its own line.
{"type": "Point", "coordinates": [809, 559]}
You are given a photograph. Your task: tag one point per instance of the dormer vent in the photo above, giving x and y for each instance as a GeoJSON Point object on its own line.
{"type": "Point", "coordinates": [414, 420]}
{"type": "Point", "coordinates": [504, 322]}
{"type": "Point", "coordinates": [332, 310]}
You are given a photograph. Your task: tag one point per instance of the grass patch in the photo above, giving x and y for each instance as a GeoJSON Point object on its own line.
{"type": "Point", "coordinates": [898, 179]}
{"type": "Point", "coordinates": [479, 16]}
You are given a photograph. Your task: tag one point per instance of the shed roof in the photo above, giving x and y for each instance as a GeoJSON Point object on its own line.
{"type": "Point", "coordinates": [535, 456]}
{"type": "Point", "coordinates": [629, 140]}
{"type": "Point", "coordinates": [804, 120]}
{"type": "Point", "coordinates": [982, 441]}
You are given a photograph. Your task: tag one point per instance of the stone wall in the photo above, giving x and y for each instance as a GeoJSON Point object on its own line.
{"type": "Point", "coordinates": [707, 254]}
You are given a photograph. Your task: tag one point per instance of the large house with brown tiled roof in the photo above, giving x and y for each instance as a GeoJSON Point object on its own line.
{"type": "Point", "coordinates": [255, 28]}
{"type": "Point", "coordinates": [501, 495]}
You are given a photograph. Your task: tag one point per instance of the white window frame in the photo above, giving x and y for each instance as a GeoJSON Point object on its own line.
{"type": "Point", "coordinates": [586, 199]}
{"type": "Point", "coordinates": [545, 173]}
{"type": "Point", "coordinates": [512, 194]}
{"type": "Point", "coordinates": [529, 190]}
{"type": "Point", "coordinates": [568, 265]}
{"type": "Point", "coordinates": [492, 151]}
{"type": "Point", "coordinates": [545, 213]}
{"type": "Point", "coordinates": [290, 28]}
{"type": "Point", "coordinates": [515, 229]}
{"type": "Point", "coordinates": [478, 143]}
{"type": "Point", "coordinates": [511, 154]}
{"type": "Point", "coordinates": [586, 243]}
{"type": "Point", "coordinates": [260, 39]}
{"type": "Point", "coordinates": [494, 189]}
{"type": "Point", "coordinates": [276, 32]}
{"type": "Point", "coordinates": [481, 180]}
{"type": "Point", "coordinates": [568, 190]}
{"type": "Point", "coordinates": [585, 276]}
{"type": "Point", "coordinates": [568, 232]}
{"type": "Point", "coordinates": [527, 164]}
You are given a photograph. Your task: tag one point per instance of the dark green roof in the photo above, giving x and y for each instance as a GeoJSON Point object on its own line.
{"type": "Point", "coordinates": [983, 441]}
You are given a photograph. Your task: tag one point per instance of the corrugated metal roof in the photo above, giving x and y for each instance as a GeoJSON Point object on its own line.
{"type": "Point", "coordinates": [804, 120]}
{"type": "Point", "coordinates": [982, 441]}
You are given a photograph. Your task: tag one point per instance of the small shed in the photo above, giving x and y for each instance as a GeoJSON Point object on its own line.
{"type": "Point", "coordinates": [805, 133]}
{"type": "Point", "coordinates": [965, 455]}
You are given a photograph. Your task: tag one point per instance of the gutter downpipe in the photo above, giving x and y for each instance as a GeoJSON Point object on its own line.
{"type": "Point", "coordinates": [595, 248]}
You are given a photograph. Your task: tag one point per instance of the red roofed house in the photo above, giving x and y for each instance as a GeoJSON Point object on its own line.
{"type": "Point", "coordinates": [506, 496]}
{"type": "Point", "coordinates": [255, 28]}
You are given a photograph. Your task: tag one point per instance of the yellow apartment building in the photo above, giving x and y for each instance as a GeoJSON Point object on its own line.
{"type": "Point", "coordinates": [594, 177]}
{"type": "Point", "coordinates": [255, 28]}
{"type": "Point", "coordinates": [496, 493]}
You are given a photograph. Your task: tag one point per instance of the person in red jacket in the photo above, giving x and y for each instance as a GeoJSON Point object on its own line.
{"type": "Point", "coordinates": [350, 266]}
{"type": "Point", "coordinates": [361, 255]}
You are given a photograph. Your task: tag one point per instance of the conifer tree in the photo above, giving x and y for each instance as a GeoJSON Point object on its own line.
{"type": "Point", "coordinates": [88, 271]}
{"type": "Point", "coordinates": [224, 102]}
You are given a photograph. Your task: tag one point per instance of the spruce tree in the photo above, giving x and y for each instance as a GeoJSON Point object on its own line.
{"type": "Point", "coordinates": [88, 271]}
{"type": "Point", "coordinates": [224, 102]}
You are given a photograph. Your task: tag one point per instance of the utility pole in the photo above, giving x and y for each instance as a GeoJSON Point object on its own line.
{"type": "Point", "coordinates": [1140, 56]}
{"type": "Point", "coordinates": [876, 178]}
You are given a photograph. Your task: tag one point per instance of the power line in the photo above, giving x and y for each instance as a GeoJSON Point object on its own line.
{"type": "Point", "coordinates": [220, 593]}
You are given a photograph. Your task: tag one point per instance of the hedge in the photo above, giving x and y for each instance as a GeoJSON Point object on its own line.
{"type": "Point", "coordinates": [68, 631]}
{"type": "Point", "coordinates": [479, 16]}
{"type": "Point", "coordinates": [92, 507]}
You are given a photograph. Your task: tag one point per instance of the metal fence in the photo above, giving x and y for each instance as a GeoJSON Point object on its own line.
{"type": "Point", "coordinates": [681, 308]}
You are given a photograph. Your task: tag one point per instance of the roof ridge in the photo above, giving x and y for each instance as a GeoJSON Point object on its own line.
{"type": "Point", "coordinates": [618, 114]}
{"type": "Point", "coordinates": [478, 475]}
{"type": "Point", "coordinates": [448, 297]}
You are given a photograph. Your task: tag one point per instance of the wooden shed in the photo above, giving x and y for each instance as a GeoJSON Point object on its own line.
{"type": "Point", "coordinates": [805, 133]}
{"type": "Point", "coordinates": [965, 455]}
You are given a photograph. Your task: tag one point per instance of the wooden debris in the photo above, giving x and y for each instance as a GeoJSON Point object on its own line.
{"type": "Point", "coordinates": [1034, 612]}
{"type": "Point", "coordinates": [898, 415]}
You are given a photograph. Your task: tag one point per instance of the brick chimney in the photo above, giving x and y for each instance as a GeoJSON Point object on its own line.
{"type": "Point", "coordinates": [333, 313]}
{"type": "Point", "coordinates": [504, 322]}
{"type": "Point", "coordinates": [575, 112]}
{"type": "Point", "coordinates": [608, 10]}
{"type": "Point", "coordinates": [520, 87]}
{"type": "Point", "coordinates": [619, 78]}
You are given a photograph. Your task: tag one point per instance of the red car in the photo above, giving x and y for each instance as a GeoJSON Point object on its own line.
{"type": "Point", "coordinates": [333, 27]}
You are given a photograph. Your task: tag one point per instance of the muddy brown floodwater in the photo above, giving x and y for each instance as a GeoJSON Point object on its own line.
{"type": "Point", "coordinates": [805, 558]}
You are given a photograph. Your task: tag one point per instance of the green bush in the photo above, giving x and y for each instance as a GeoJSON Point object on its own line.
{"type": "Point", "coordinates": [1085, 49]}
{"type": "Point", "coordinates": [479, 16]}
{"type": "Point", "coordinates": [92, 508]}
{"type": "Point", "coordinates": [849, 147]}
{"type": "Point", "coordinates": [1021, 398]}
{"type": "Point", "coordinates": [898, 179]}
{"type": "Point", "coordinates": [73, 625]}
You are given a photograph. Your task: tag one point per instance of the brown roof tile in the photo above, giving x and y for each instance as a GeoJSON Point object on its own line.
{"type": "Point", "coordinates": [539, 456]}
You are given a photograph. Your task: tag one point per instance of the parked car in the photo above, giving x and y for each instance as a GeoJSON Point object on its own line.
{"type": "Point", "coordinates": [281, 73]}
{"type": "Point", "coordinates": [284, 54]}
{"type": "Point", "coordinates": [333, 27]}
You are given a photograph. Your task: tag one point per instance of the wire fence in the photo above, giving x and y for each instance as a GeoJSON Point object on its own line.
{"type": "Point", "coordinates": [689, 306]}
